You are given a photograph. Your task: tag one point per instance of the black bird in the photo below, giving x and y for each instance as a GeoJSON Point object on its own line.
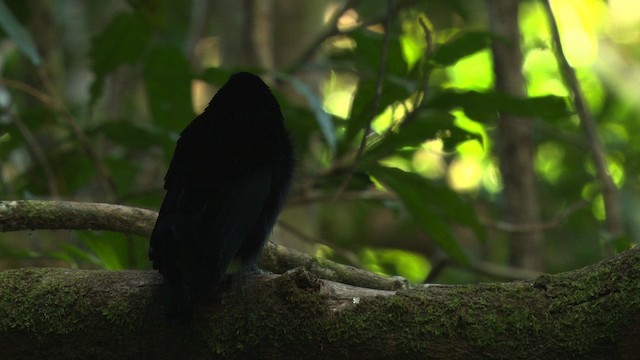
{"type": "Point", "coordinates": [227, 182]}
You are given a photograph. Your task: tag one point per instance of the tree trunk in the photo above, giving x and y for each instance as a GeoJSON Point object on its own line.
{"type": "Point", "coordinates": [514, 140]}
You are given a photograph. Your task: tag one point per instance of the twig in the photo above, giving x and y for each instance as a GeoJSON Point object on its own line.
{"type": "Point", "coordinates": [424, 81]}
{"type": "Point", "coordinates": [37, 94]}
{"type": "Point", "coordinates": [366, 195]}
{"type": "Point", "coordinates": [103, 173]}
{"type": "Point", "coordinates": [53, 102]}
{"type": "Point", "coordinates": [280, 259]}
{"type": "Point", "coordinates": [613, 221]}
{"type": "Point", "coordinates": [36, 150]}
{"type": "Point", "coordinates": [330, 31]}
{"type": "Point", "coordinates": [428, 37]}
{"type": "Point", "coordinates": [524, 228]}
{"type": "Point", "coordinates": [333, 30]}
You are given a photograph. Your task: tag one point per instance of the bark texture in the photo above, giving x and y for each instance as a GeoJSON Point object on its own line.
{"type": "Point", "coordinates": [591, 313]}
{"type": "Point", "coordinates": [516, 148]}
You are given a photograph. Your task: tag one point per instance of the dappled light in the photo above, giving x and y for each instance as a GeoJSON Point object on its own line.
{"type": "Point", "coordinates": [396, 124]}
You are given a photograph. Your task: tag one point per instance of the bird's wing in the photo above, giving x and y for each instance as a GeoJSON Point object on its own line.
{"type": "Point", "coordinates": [214, 217]}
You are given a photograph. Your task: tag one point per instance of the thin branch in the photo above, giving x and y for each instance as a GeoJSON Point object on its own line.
{"type": "Point", "coordinates": [51, 101]}
{"type": "Point", "coordinates": [428, 37]}
{"type": "Point", "coordinates": [524, 228]}
{"type": "Point", "coordinates": [348, 196]}
{"type": "Point", "coordinates": [613, 222]}
{"type": "Point", "coordinates": [332, 29]}
{"type": "Point", "coordinates": [424, 81]}
{"type": "Point", "coordinates": [376, 99]}
{"type": "Point", "coordinates": [69, 215]}
{"type": "Point", "coordinates": [102, 170]}
{"type": "Point", "coordinates": [35, 93]}
{"type": "Point", "coordinates": [36, 150]}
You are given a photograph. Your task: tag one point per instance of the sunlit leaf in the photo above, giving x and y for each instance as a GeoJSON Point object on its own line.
{"type": "Point", "coordinates": [485, 106]}
{"type": "Point", "coordinates": [425, 126]}
{"type": "Point", "coordinates": [362, 109]}
{"type": "Point", "coordinates": [369, 51]}
{"type": "Point", "coordinates": [413, 267]}
{"type": "Point", "coordinates": [315, 103]}
{"type": "Point", "coordinates": [466, 44]}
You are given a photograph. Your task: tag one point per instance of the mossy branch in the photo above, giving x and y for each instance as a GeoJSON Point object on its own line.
{"type": "Point", "coordinates": [592, 313]}
{"type": "Point", "coordinates": [68, 215]}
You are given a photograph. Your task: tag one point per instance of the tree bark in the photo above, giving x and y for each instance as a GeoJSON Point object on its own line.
{"type": "Point", "coordinates": [514, 141]}
{"type": "Point", "coordinates": [590, 313]}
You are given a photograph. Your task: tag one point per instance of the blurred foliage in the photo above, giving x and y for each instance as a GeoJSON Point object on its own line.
{"type": "Point", "coordinates": [426, 186]}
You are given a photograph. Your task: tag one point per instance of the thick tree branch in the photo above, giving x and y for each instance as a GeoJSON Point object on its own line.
{"type": "Point", "coordinates": [59, 313]}
{"type": "Point", "coordinates": [591, 313]}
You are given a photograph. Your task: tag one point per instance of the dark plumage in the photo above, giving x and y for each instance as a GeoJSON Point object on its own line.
{"type": "Point", "coordinates": [227, 182]}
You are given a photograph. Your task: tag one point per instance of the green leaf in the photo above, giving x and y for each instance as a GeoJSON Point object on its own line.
{"type": "Point", "coordinates": [122, 42]}
{"type": "Point", "coordinates": [425, 126]}
{"type": "Point", "coordinates": [462, 46]}
{"type": "Point", "coordinates": [109, 248]}
{"type": "Point", "coordinates": [427, 204]}
{"type": "Point", "coordinates": [168, 81]}
{"type": "Point", "coordinates": [361, 109]}
{"type": "Point", "coordinates": [315, 103]}
{"type": "Point", "coordinates": [18, 34]}
{"type": "Point", "coordinates": [73, 254]}
{"type": "Point", "coordinates": [371, 9]}
{"type": "Point", "coordinates": [412, 266]}
{"type": "Point", "coordinates": [126, 133]}
{"type": "Point", "coordinates": [301, 124]}
{"type": "Point", "coordinates": [124, 172]}
{"type": "Point", "coordinates": [485, 106]}
{"type": "Point", "coordinates": [368, 52]}
{"type": "Point", "coordinates": [74, 169]}
{"type": "Point", "coordinates": [366, 59]}
{"type": "Point", "coordinates": [448, 203]}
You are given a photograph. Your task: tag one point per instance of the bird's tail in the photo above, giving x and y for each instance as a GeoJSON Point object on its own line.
{"type": "Point", "coordinates": [178, 306]}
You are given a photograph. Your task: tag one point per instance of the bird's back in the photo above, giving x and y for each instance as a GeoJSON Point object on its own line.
{"type": "Point", "coordinates": [226, 184]}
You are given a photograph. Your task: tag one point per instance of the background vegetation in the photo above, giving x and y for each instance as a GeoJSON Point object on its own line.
{"type": "Point", "coordinates": [93, 96]}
